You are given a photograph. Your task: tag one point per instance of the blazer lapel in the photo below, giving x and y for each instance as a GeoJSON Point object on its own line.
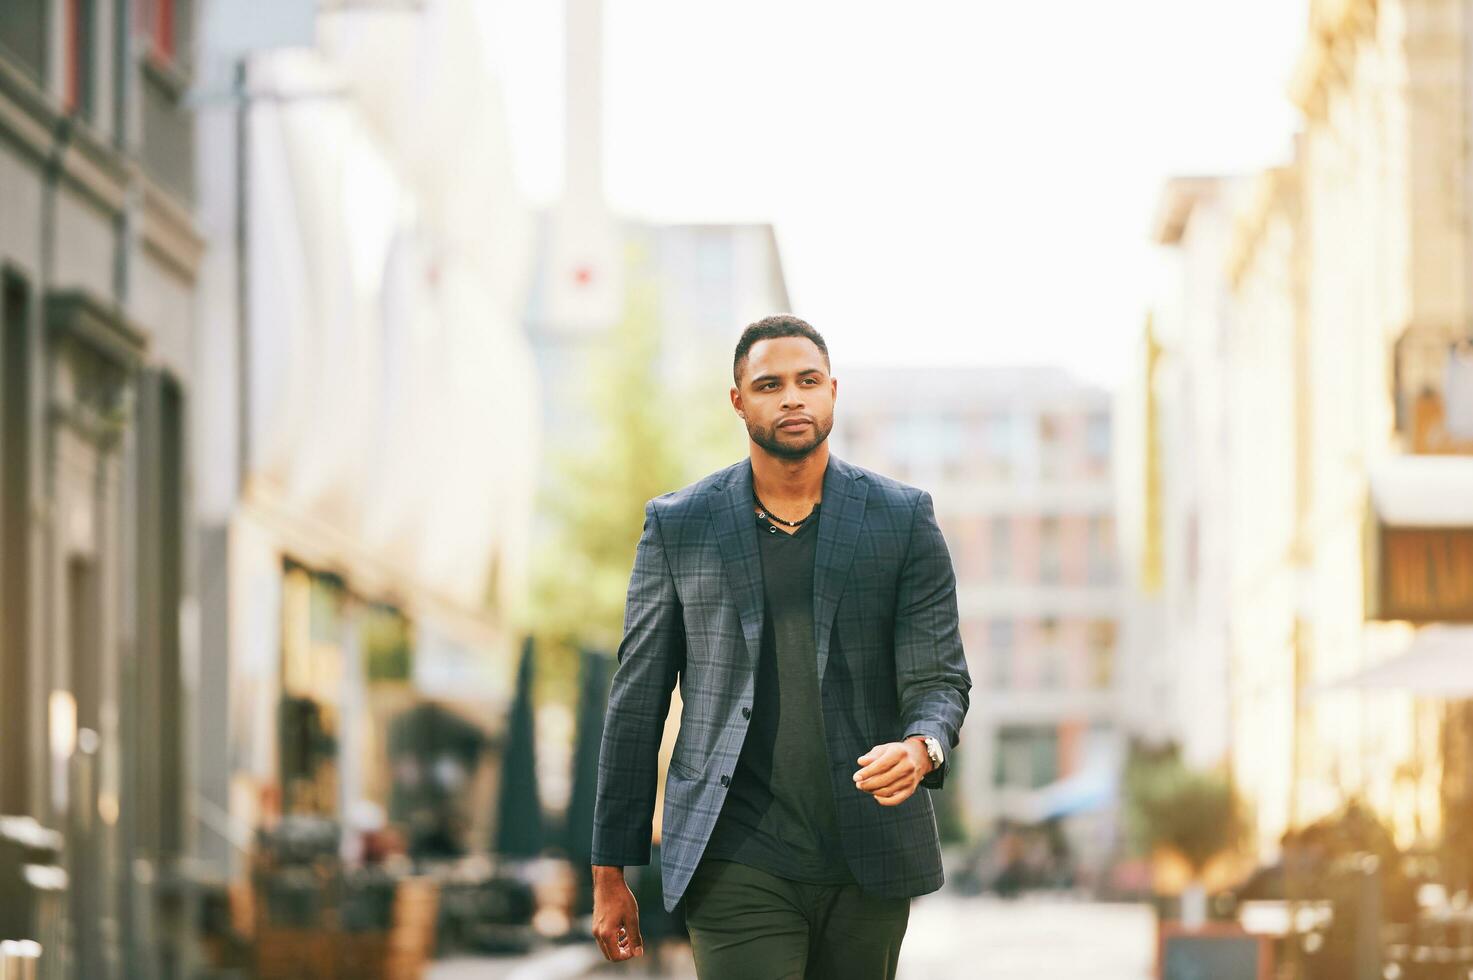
{"type": "Point", "coordinates": [844, 491]}
{"type": "Point", "coordinates": [731, 513]}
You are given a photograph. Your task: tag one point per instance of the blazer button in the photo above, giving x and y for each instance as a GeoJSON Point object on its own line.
{"type": "Point", "coordinates": [725, 780]}
{"type": "Point", "coordinates": [746, 712]}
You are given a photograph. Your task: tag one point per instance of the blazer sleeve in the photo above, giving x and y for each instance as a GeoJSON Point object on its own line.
{"type": "Point", "coordinates": [651, 656]}
{"type": "Point", "coordinates": [931, 677]}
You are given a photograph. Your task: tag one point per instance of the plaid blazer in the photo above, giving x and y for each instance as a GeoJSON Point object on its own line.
{"type": "Point", "coordinates": [890, 663]}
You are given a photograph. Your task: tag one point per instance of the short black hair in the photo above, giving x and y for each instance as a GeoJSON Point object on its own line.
{"type": "Point", "coordinates": [771, 328]}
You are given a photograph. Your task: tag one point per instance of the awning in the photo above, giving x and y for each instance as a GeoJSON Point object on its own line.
{"type": "Point", "coordinates": [1423, 491]}
{"type": "Point", "coordinates": [1437, 663]}
{"type": "Point", "coordinates": [1093, 788]}
{"type": "Point", "coordinates": [1088, 791]}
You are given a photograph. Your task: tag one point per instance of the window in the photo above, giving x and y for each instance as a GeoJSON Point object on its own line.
{"type": "Point", "coordinates": [1000, 652]}
{"type": "Point", "coordinates": [84, 632]}
{"type": "Point", "coordinates": [996, 437]}
{"type": "Point", "coordinates": [15, 459]}
{"type": "Point", "coordinates": [23, 35]}
{"type": "Point", "coordinates": [999, 428]}
{"type": "Point", "coordinates": [1049, 551]}
{"type": "Point", "coordinates": [314, 606]}
{"type": "Point", "coordinates": [713, 263]}
{"type": "Point", "coordinates": [928, 441]}
{"type": "Point", "coordinates": [1098, 436]}
{"type": "Point", "coordinates": [1050, 657]}
{"type": "Point", "coordinates": [954, 469]}
{"type": "Point", "coordinates": [1101, 550]}
{"type": "Point", "coordinates": [1051, 668]}
{"type": "Point", "coordinates": [1096, 461]}
{"type": "Point", "coordinates": [1050, 446]}
{"type": "Point", "coordinates": [1002, 548]}
{"type": "Point", "coordinates": [81, 56]}
{"type": "Point", "coordinates": [969, 552]}
{"type": "Point", "coordinates": [1027, 756]}
{"type": "Point", "coordinates": [158, 23]}
{"type": "Point", "coordinates": [1102, 653]}
{"type": "Point", "coordinates": [163, 523]}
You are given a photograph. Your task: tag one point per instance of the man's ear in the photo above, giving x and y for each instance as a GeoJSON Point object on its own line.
{"type": "Point", "coordinates": [736, 402]}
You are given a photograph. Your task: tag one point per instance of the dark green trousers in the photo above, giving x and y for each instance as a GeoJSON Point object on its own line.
{"type": "Point", "coordinates": [746, 924]}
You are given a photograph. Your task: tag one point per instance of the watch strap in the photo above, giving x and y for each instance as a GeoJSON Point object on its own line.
{"type": "Point", "coordinates": [933, 749]}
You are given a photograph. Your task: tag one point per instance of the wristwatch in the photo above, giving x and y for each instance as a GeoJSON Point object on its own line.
{"type": "Point", "coordinates": [933, 750]}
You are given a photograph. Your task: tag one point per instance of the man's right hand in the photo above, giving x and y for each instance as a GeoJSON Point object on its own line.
{"type": "Point", "coordinates": [615, 914]}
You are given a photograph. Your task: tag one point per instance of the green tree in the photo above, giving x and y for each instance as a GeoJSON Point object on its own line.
{"type": "Point", "coordinates": [647, 429]}
{"type": "Point", "coordinates": [1195, 813]}
{"type": "Point", "coordinates": [650, 435]}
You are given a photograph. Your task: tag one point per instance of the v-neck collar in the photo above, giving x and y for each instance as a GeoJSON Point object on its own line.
{"type": "Point", "coordinates": [765, 526]}
{"type": "Point", "coordinates": [844, 492]}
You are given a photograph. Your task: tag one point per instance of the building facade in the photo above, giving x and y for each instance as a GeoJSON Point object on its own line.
{"type": "Point", "coordinates": [1217, 395]}
{"type": "Point", "coordinates": [366, 463]}
{"type": "Point", "coordinates": [1349, 564]}
{"type": "Point", "coordinates": [1018, 462]}
{"type": "Point", "coordinates": [100, 260]}
{"type": "Point", "coordinates": [1185, 630]}
{"type": "Point", "coordinates": [1268, 482]}
{"type": "Point", "coordinates": [692, 286]}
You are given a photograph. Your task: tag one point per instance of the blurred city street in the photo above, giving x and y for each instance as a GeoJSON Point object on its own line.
{"type": "Point", "coordinates": [949, 938]}
{"type": "Point", "coordinates": [352, 350]}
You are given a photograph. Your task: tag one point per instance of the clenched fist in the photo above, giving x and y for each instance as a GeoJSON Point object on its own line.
{"type": "Point", "coordinates": [892, 771]}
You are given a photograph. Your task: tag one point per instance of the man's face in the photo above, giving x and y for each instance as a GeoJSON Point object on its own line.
{"type": "Point", "coordinates": [786, 397]}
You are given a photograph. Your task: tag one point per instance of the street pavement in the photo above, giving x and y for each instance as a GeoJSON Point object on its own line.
{"type": "Point", "coordinates": [559, 963]}
{"type": "Point", "coordinates": [949, 938]}
{"type": "Point", "coordinates": [1032, 938]}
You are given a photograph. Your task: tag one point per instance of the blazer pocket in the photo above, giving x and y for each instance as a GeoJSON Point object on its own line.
{"type": "Point", "coordinates": [682, 771]}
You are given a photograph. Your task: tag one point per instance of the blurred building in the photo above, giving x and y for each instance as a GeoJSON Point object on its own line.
{"type": "Point", "coordinates": [1209, 498]}
{"type": "Point", "coordinates": [710, 281]}
{"type": "Point", "coordinates": [601, 280]}
{"type": "Point", "coordinates": [704, 283]}
{"type": "Point", "coordinates": [1269, 464]}
{"type": "Point", "coordinates": [99, 275]}
{"type": "Point", "coordinates": [699, 284]}
{"type": "Point", "coordinates": [1347, 280]}
{"type": "Point", "coordinates": [1175, 500]}
{"type": "Point", "coordinates": [1018, 463]}
{"type": "Point", "coordinates": [1350, 253]}
{"type": "Point", "coordinates": [366, 459]}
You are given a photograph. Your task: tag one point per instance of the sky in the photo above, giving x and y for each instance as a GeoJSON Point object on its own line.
{"type": "Point", "coordinates": [950, 182]}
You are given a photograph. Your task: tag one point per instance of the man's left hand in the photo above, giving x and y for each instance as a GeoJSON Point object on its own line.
{"type": "Point", "coordinates": [892, 771]}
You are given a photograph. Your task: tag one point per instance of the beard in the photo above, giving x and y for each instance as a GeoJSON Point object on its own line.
{"type": "Point", "coordinates": [771, 439]}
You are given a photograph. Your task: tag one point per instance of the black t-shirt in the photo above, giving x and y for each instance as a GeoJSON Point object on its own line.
{"type": "Point", "coordinates": [781, 818]}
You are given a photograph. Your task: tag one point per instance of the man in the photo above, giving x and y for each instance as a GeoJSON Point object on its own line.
{"type": "Point", "coordinates": [807, 608]}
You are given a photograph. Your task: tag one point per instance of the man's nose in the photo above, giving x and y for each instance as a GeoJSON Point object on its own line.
{"type": "Point", "coordinates": [793, 397]}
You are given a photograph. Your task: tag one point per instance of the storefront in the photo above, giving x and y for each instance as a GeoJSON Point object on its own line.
{"type": "Point", "coordinates": [1419, 632]}
{"type": "Point", "coordinates": [353, 705]}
